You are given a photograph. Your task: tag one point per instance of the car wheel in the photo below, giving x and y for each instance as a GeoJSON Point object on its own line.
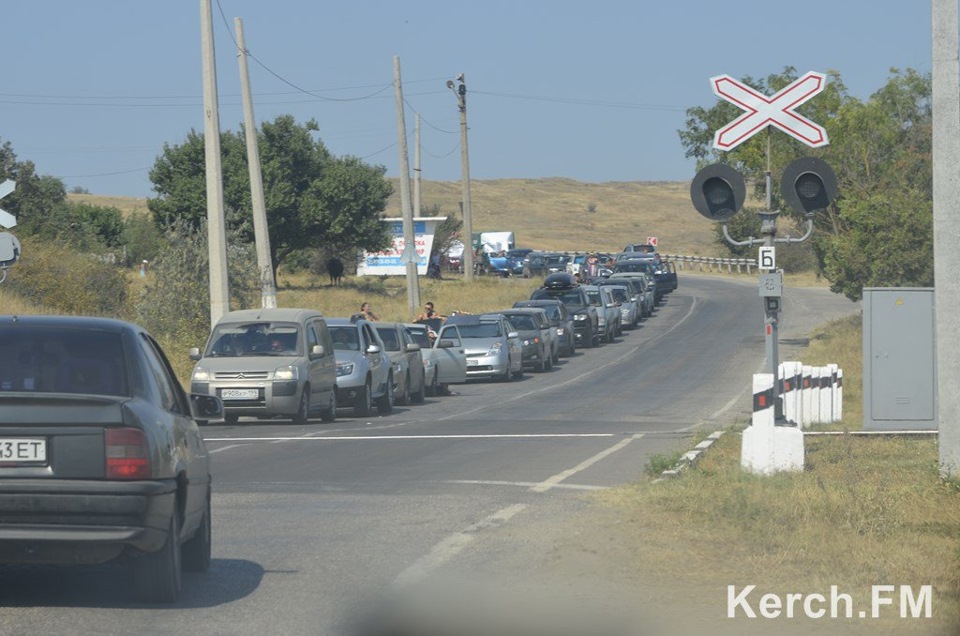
{"type": "Point", "coordinates": [556, 355]}
{"type": "Point", "coordinates": [549, 363]}
{"type": "Point", "coordinates": [519, 374]}
{"type": "Point", "coordinates": [195, 553]}
{"type": "Point", "coordinates": [230, 418]}
{"type": "Point", "coordinates": [329, 414]}
{"type": "Point", "coordinates": [158, 576]}
{"type": "Point", "coordinates": [421, 394]}
{"type": "Point", "coordinates": [405, 397]}
{"type": "Point", "coordinates": [363, 405]}
{"type": "Point", "coordinates": [541, 365]}
{"type": "Point", "coordinates": [433, 389]}
{"type": "Point", "coordinates": [508, 374]}
{"type": "Point", "coordinates": [385, 401]}
{"type": "Point", "coordinates": [303, 413]}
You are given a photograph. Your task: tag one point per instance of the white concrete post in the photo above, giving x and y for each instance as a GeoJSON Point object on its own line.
{"type": "Point", "coordinates": [833, 368]}
{"type": "Point", "coordinates": [807, 396]}
{"type": "Point", "coordinates": [826, 395]}
{"type": "Point", "coordinates": [838, 405]}
{"type": "Point", "coordinates": [768, 448]}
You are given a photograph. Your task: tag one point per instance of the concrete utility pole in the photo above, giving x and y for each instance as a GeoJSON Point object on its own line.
{"type": "Point", "coordinates": [409, 238]}
{"type": "Point", "coordinates": [467, 259]}
{"type": "Point", "coordinates": [946, 227]}
{"type": "Point", "coordinates": [216, 232]}
{"type": "Point", "coordinates": [268, 287]}
{"type": "Point", "coordinates": [416, 171]}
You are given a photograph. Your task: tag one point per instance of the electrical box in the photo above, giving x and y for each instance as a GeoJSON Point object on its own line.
{"type": "Point", "coordinates": [899, 359]}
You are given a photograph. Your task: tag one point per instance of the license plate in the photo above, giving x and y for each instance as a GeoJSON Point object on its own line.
{"type": "Point", "coordinates": [239, 394]}
{"type": "Point", "coordinates": [472, 363]}
{"type": "Point", "coordinates": [16, 450]}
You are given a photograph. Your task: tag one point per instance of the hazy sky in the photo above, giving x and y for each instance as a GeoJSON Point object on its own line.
{"type": "Point", "coordinates": [595, 91]}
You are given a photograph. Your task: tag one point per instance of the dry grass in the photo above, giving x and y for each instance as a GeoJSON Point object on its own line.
{"type": "Point", "coordinates": [866, 511]}
{"type": "Point", "coordinates": [555, 213]}
{"type": "Point", "coordinates": [126, 205]}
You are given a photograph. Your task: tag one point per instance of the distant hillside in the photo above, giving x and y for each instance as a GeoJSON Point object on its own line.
{"type": "Point", "coordinates": [555, 213]}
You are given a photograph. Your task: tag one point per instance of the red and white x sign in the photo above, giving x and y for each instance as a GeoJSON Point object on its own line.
{"type": "Point", "coordinates": [763, 111]}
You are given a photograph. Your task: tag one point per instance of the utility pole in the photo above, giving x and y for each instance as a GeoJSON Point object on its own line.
{"type": "Point", "coordinates": [216, 232]}
{"type": "Point", "coordinates": [268, 287]}
{"type": "Point", "coordinates": [409, 255]}
{"type": "Point", "coordinates": [416, 171]}
{"type": "Point", "coordinates": [460, 90]}
{"type": "Point", "coordinates": [946, 227]}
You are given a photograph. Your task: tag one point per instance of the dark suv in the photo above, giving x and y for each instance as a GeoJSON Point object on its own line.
{"type": "Point", "coordinates": [560, 286]}
{"type": "Point", "coordinates": [560, 319]}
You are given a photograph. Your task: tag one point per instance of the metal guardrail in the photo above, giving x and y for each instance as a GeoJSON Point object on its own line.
{"type": "Point", "coordinates": [711, 264]}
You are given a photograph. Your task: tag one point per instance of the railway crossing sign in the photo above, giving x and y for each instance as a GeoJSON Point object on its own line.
{"type": "Point", "coordinates": [7, 220]}
{"type": "Point", "coordinates": [763, 111]}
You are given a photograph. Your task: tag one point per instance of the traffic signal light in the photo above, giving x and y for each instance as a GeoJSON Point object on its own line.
{"type": "Point", "coordinates": [718, 192]}
{"type": "Point", "coordinates": [809, 184]}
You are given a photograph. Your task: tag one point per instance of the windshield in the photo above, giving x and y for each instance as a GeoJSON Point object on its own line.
{"type": "Point", "coordinates": [246, 339]}
{"type": "Point", "coordinates": [345, 338]}
{"type": "Point", "coordinates": [620, 295]}
{"type": "Point", "coordinates": [633, 266]}
{"type": "Point", "coordinates": [420, 337]}
{"type": "Point", "coordinates": [62, 360]}
{"type": "Point", "coordinates": [481, 330]}
{"type": "Point", "coordinates": [572, 298]}
{"type": "Point", "coordinates": [594, 298]}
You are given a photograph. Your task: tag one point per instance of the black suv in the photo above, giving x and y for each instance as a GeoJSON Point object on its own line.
{"type": "Point", "coordinates": [560, 286]}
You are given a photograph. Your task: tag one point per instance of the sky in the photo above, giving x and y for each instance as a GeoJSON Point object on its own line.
{"type": "Point", "coordinates": [594, 91]}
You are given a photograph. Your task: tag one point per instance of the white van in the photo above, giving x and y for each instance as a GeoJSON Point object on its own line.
{"type": "Point", "coordinates": [269, 363]}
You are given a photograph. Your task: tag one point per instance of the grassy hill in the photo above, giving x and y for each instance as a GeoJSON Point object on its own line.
{"type": "Point", "coordinates": [565, 214]}
{"type": "Point", "coordinates": [561, 214]}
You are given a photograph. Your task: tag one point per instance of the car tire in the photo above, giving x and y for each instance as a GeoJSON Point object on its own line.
{"type": "Point", "coordinates": [519, 374]}
{"type": "Point", "coordinates": [158, 576]}
{"type": "Point", "coordinates": [541, 364]}
{"type": "Point", "coordinates": [434, 389]}
{"type": "Point", "coordinates": [302, 415]}
{"type": "Point", "coordinates": [363, 406]}
{"type": "Point", "coordinates": [195, 553]}
{"type": "Point", "coordinates": [421, 394]}
{"type": "Point", "coordinates": [548, 365]}
{"type": "Point", "coordinates": [405, 397]}
{"type": "Point", "coordinates": [508, 374]}
{"type": "Point", "coordinates": [385, 401]}
{"type": "Point", "coordinates": [329, 414]}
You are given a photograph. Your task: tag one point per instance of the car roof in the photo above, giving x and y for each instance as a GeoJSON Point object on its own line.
{"type": "Point", "coordinates": [73, 322]}
{"type": "Point", "coordinates": [521, 311]}
{"type": "Point", "coordinates": [540, 302]}
{"type": "Point", "coordinates": [341, 322]}
{"type": "Point", "coordinates": [272, 314]}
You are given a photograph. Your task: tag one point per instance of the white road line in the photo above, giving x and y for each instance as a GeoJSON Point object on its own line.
{"type": "Point", "coordinates": [521, 484]}
{"type": "Point", "coordinates": [364, 438]}
{"type": "Point", "coordinates": [452, 546]}
{"type": "Point", "coordinates": [546, 485]}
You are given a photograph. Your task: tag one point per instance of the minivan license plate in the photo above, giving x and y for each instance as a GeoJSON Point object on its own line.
{"type": "Point", "coordinates": [16, 450]}
{"type": "Point", "coordinates": [239, 394]}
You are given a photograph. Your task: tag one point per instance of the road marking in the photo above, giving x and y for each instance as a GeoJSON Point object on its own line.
{"type": "Point", "coordinates": [364, 438]}
{"type": "Point", "coordinates": [521, 484]}
{"type": "Point", "coordinates": [453, 545]}
{"type": "Point", "coordinates": [551, 482]}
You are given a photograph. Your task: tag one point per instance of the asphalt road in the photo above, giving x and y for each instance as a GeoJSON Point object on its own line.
{"type": "Point", "coordinates": [311, 521]}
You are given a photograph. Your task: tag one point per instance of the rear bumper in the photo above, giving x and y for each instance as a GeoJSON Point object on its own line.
{"type": "Point", "coordinates": [68, 522]}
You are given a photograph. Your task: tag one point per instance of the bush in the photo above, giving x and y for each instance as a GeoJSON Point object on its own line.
{"type": "Point", "coordinates": [53, 275]}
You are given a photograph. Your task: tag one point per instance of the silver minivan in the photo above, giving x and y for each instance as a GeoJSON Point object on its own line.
{"type": "Point", "coordinates": [269, 363]}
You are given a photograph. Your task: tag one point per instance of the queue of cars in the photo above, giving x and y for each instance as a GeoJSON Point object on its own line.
{"type": "Point", "coordinates": [101, 457]}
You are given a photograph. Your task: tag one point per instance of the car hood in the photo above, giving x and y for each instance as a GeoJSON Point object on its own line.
{"type": "Point", "coordinates": [348, 356]}
{"type": "Point", "coordinates": [247, 363]}
{"type": "Point", "coordinates": [479, 345]}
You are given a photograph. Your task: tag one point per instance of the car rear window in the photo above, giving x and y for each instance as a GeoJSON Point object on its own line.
{"type": "Point", "coordinates": [522, 321]}
{"type": "Point", "coordinates": [62, 360]}
{"type": "Point", "coordinates": [390, 338]}
{"type": "Point", "coordinates": [345, 338]}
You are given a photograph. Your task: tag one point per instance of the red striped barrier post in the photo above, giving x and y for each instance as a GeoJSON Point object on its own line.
{"type": "Point", "coordinates": [768, 448]}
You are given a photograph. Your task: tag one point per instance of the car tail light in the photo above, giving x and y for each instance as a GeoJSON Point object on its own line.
{"type": "Point", "coordinates": [126, 454]}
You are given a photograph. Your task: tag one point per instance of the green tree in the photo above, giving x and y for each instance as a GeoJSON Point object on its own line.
{"type": "Point", "coordinates": [35, 196]}
{"type": "Point", "coordinates": [313, 200]}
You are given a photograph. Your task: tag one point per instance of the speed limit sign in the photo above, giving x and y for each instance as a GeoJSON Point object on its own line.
{"type": "Point", "coordinates": [768, 257]}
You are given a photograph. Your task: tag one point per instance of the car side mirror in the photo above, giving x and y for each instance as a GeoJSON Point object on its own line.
{"type": "Point", "coordinates": [194, 353]}
{"type": "Point", "coordinates": [373, 349]}
{"type": "Point", "coordinates": [513, 334]}
{"type": "Point", "coordinates": [205, 407]}
{"type": "Point", "coordinates": [413, 346]}
{"type": "Point", "coordinates": [446, 343]}
{"type": "Point", "coordinates": [316, 351]}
